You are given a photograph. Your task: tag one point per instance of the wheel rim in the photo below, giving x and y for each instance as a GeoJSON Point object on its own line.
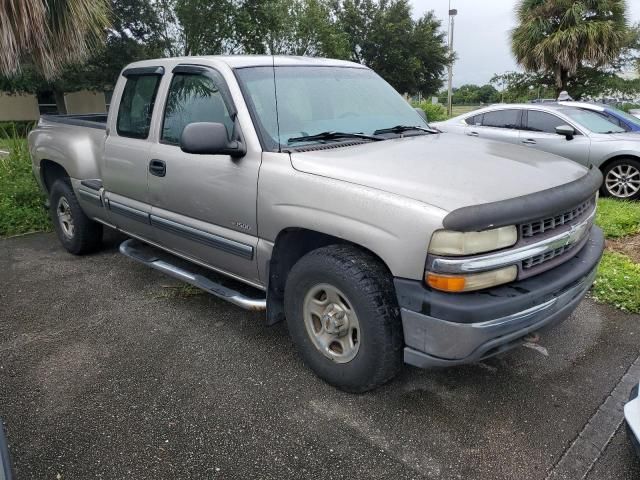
{"type": "Point", "coordinates": [331, 323]}
{"type": "Point", "coordinates": [623, 181]}
{"type": "Point", "coordinates": [65, 218]}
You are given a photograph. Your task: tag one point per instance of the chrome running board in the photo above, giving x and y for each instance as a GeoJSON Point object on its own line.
{"type": "Point", "coordinates": [143, 253]}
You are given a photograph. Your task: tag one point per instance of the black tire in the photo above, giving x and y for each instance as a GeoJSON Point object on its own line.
{"type": "Point", "coordinates": [368, 287]}
{"type": "Point", "coordinates": [86, 236]}
{"type": "Point", "coordinates": [607, 189]}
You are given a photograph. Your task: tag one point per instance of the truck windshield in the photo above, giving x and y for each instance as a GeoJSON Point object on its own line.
{"type": "Point", "coordinates": [315, 100]}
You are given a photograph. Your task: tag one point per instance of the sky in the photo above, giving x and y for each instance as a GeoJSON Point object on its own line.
{"type": "Point", "coordinates": [481, 35]}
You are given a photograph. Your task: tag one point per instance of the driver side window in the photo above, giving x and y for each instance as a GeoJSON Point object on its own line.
{"type": "Point", "coordinates": [193, 98]}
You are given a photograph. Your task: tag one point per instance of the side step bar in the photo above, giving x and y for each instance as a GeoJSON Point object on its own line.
{"type": "Point", "coordinates": [130, 248]}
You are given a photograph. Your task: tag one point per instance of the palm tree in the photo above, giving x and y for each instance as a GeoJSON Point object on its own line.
{"type": "Point", "coordinates": [50, 34]}
{"type": "Point", "coordinates": [558, 36]}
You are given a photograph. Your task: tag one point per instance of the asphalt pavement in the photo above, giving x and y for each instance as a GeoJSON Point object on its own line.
{"type": "Point", "coordinates": [111, 370]}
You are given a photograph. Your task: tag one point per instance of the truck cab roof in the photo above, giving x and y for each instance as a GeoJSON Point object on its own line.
{"type": "Point", "coordinates": [243, 61]}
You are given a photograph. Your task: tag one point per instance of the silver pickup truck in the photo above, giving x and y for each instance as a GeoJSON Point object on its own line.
{"type": "Point", "coordinates": [313, 182]}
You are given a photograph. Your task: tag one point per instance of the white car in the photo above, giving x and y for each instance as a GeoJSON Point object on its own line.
{"type": "Point", "coordinates": [632, 416]}
{"type": "Point", "coordinates": [635, 112]}
{"type": "Point", "coordinates": [581, 135]}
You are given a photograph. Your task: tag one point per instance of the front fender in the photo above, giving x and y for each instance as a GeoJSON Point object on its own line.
{"type": "Point", "coordinates": [395, 228]}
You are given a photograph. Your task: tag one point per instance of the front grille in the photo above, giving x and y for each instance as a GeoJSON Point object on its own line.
{"type": "Point", "coordinates": [545, 257]}
{"type": "Point", "coordinates": [537, 227]}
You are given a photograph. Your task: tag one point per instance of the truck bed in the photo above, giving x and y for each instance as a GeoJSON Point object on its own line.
{"type": "Point", "coordinates": [91, 120]}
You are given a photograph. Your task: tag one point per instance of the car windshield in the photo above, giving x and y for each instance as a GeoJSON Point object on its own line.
{"type": "Point", "coordinates": [322, 100]}
{"type": "Point", "coordinates": [592, 121]}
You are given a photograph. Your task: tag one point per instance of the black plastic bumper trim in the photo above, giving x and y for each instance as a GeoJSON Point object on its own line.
{"type": "Point", "coordinates": [526, 208]}
{"type": "Point", "coordinates": [473, 307]}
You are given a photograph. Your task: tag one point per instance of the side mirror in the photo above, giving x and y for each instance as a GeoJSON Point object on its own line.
{"type": "Point", "coordinates": [566, 130]}
{"type": "Point", "coordinates": [422, 113]}
{"type": "Point", "coordinates": [206, 138]}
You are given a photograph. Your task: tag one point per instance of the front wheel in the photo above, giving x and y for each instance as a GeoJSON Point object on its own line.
{"type": "Point", "coordinates": [343, 316]}
{"type": "Point", "coordinates": [77, 232]}
{"type": "Point", "coordinates": [622, 179]}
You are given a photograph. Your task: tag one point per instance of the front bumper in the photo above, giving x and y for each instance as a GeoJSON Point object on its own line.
{"type": "Point", "coordinates": [444, 329]}
{"type": "Point", "coordinates": [632, 417]}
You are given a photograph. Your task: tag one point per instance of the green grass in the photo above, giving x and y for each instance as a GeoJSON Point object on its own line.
{"type": "Point", "coordinates": [618, 282]}
{"type": "Point", "coordinates": [618, 218]}
{"type": "Point", "coordinates": [460, 109]}
{"type": "Point", "coordinates": [21, 201]}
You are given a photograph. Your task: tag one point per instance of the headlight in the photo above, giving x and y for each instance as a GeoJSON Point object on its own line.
{"type": "Point", "coordinates": [475, 281]}
{"type": "Point", "coordinates": [448, 242]}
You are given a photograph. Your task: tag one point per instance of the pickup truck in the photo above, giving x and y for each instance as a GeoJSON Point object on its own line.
{"type": "Point", "coordinates": [377, 238]}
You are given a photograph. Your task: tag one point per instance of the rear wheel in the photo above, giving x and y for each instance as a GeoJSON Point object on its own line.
{"type": "Point", "coordinates": [344, 318]}
{"type": "Point", "coordinates": [77, 232]}
{"type": "Point", "coordinates": [622, 179]}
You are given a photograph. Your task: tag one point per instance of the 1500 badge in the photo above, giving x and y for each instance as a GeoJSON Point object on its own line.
{"type": "Point", "coordinates": [241, 225]}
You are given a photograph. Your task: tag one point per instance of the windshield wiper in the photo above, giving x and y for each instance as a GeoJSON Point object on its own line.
{"type": "Point", "coordinates": [404, 128]}
{"type": "Point", "coordinates": [332, 136]}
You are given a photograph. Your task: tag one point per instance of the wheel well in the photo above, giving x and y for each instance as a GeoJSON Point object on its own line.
{"type": "Point", "coordinates": [290, 246]}
{"type": "Point", "coordinates": [613, 159]}
{"type": "Point", "coordinates": [50, 172]}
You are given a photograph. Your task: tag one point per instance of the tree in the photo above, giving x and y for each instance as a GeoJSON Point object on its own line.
{"type": "Point", "coordinates": [51, 33]}
{"type": "Point", "coordinates": [136, 33]}
{"type": "Point", "coordinates": [410, 54]}
{"type": "Point", "coordinates": [285, 27]}
{"type": "Point", "coordinates": [560, 36]}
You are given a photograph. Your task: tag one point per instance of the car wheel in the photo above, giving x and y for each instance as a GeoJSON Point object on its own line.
{"type": "Point", "coordinates": [343, 316]}
{"type": "Point", "coordinates": [622, 179]}
{"type": "Point", "coordinates": [77, 232]}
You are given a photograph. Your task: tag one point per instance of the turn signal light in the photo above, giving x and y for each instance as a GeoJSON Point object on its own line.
{"type": "Point", "coordinates": [468, 283]}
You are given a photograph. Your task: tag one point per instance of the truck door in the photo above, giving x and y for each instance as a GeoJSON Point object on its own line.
{"type": "Point", "coordinates": [203, 206]}
{"type": "Point", "coordinates": [127, 150]}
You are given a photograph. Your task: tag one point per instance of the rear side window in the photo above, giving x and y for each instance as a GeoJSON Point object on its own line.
{"type": "Point", "coordinates": [136, 105]}
{"type": "Point", "coordinates": [543, 122]}
{"type": "Point", "coordinates": [475, 120]}
{"type": "Point", "coordinates": [502, 119]}
{"type": "Point", "coordinates": [193, 98]}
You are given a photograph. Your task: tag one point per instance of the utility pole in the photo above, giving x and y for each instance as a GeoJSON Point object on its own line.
{"type": "Point", "coordinates": [452, 14]}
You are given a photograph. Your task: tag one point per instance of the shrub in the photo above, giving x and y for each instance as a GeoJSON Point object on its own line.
{"type": "Point", "coordinates": [11, 129]}
{"type": "Point", "coordinates": [435, 112]}
{"type": "Point", "coordinates": [628, 106]}
{"type": "Point", "coordinates": [21, 201]}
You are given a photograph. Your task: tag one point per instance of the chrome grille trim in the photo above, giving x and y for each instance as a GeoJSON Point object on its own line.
{"type": "Point", "coordinates": [492, 261]}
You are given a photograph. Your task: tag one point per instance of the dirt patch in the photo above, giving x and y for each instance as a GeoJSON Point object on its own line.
{"type": "Point", "coordinates": [629, 245]}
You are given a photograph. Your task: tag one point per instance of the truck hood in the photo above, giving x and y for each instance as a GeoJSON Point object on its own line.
{"type": "Point", "coordinates": [446, 171]}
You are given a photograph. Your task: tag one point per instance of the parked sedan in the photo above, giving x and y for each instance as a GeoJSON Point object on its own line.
{"type": "Point", "coordinates": [625, 121]}
{"type": "Point", "coordinates": [581, 135]}
{"type": "Point", "coordinates": [632, 417]}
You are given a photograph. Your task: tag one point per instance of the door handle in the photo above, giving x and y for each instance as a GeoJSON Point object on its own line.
{"type": "Point", "coordinates": [157, 168]}
{"type": "Point", "coordinates": [473, 134]}
{"type": "Point", "coordinates": [529, 141]}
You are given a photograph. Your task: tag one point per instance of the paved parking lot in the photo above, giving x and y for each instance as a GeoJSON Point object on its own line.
{"type": "Point", "coordinates": [109, 371]}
